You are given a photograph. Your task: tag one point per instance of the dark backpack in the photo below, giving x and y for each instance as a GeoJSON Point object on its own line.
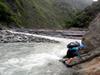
{"type": "Point", "coordinates": [73, 44]}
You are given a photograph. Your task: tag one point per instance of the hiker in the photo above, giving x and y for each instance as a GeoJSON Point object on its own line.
{"type": "Point", "coordinates": [73, 51]}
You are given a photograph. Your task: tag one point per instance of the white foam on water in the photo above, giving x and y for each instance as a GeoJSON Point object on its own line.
{"type": "Point", "coordinates": [39, 59]}
{"type": "Point", "coordinates": [30, 61]}
{"type": "Point", "coordinates": [55, 53]}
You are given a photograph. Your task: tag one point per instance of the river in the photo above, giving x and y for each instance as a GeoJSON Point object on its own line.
{"type": "Point", "coordinates": [33, 58]}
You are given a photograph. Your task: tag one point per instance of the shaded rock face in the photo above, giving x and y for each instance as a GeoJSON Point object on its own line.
{"type": "Point", "coordinates": [92, 38]}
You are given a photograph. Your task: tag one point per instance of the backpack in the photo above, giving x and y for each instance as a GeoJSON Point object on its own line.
{"type": "Point", "coordinates": [73, 44]}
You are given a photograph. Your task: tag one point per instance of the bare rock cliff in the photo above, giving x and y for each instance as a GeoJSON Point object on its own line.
{"type": "Point", "coordinates": [92, 40]}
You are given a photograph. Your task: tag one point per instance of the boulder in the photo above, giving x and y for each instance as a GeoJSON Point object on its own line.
{"type": "Point", "coordinates": [92, 38]}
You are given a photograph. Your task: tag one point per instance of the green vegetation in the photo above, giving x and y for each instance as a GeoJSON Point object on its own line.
{"type": "Point", "coordinates": [38, 13]}
{"type": "Point", "coordinates": [83, 18]}
{"type": "Point", "coordinates": [35, 13]}
{"type": "Point", "coordinates": [5, 15]}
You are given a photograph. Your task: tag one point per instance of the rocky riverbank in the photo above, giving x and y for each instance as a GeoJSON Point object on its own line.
{"type": "Point", "coordinates": [7, 36]}
{"type": "Point", "coordinates": [92, 40]}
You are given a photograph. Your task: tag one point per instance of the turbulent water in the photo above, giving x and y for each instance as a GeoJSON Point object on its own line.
{"type": "Point", "coordinates": [33, 58]}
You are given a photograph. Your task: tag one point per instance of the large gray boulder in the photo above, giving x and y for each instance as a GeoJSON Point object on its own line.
{"type": "Point", "coordinates": [92, 38]}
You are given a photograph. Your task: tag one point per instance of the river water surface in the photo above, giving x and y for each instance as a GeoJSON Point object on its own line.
{"type": "Point", "coordinates": [33, 58]}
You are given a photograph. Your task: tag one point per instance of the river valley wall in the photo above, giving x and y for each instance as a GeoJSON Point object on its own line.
{"type": "Point", "coordinates": [92, 40]}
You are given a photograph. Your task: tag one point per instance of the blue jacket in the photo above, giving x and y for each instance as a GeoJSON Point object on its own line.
{"type": "Point", "coordinates": [76, 49]}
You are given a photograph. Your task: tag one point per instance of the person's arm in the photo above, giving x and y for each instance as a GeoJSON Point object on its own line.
{"type": "Point", "coordinates": [82, 45]}
{"type": "Point", "coordinates": [65, 55]}
{"type": "Point", "coordinates": [78, 54]}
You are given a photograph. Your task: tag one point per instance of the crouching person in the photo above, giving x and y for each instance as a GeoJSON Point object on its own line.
{"type": "Point", "coordinates": [73, 52]}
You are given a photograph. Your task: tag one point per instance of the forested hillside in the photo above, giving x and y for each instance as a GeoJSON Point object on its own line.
{"type": "Point", "coordinates": [39, 13]}
{"type": "Point", "coordinates": [84, 17]}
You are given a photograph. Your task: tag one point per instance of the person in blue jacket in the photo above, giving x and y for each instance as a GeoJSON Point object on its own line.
{"type": "Point", "coordinates": [73, 51]}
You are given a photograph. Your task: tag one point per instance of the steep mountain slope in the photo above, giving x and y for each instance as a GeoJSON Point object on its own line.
{"type": "Point", "coordinates": [83, 18]}
{"type": "Point", "coordinates": [40, 13]}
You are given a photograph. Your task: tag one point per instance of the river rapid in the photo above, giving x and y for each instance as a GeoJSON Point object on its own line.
{"type": "Point", "coordinates": [34, 58]}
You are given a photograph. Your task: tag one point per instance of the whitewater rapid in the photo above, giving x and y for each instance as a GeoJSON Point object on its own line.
{"type": "Point", "coordinates": [29, 58]}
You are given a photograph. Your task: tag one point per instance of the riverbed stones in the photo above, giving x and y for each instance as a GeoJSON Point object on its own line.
{"type": "Point", "coordinates": [7, 37]}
